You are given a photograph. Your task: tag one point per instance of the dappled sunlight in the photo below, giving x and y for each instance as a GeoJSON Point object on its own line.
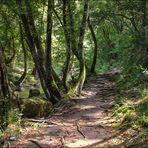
{"type": "Point", "coordinates": [84, 107]}
{"type": "Point", "coordinates": [97, 114]}
{"type": "Point", "coordinates": [89, 93]}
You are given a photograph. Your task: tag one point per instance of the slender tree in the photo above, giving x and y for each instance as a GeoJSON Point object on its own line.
{"type": "Point", "coordinates": [77, 47]}
{"type": "Point", "coordinates": [23, 76]}
{"type": "Point", "coordinates": [95, 46]}
{"type": "Point", "coordinates": [68, 45]}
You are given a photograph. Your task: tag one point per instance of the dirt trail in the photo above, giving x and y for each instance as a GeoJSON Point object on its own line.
{"type": "Point", "coordinates": [87, 124]}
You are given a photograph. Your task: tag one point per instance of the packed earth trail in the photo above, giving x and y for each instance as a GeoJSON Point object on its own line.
{"type": "Point", "coordinates": [88, 123]}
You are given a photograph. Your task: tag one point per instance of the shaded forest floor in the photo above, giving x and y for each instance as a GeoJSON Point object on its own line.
{"type": "Point", "coordinates": [85, 123]}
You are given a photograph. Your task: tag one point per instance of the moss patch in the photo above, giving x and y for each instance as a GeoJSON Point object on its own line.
{"type": "Point", "coordinates": [36, 107]}
{"type": "Point", "coordinates": [23, 94]}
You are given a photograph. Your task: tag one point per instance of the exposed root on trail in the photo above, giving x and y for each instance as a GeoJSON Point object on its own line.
{"type": "Point", "coordinates": [36, 143]}
{"type": "Point", "coordinates": [78, 129]}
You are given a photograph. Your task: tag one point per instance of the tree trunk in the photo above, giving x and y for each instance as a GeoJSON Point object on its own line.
{"type": "Point", "coordinates": [92, 70]}
{"type": "Point", "coordinates": [79, 53]}
{"type": "Point", "coordinates": [82, 74]}
{"type": "Point", "coordinates": [5, 93]}
{"type": "Point", "coordinates": [22, 78]}
{"type": "Point", "coordinates": [54, 92]}
{"type": "Point", "coordinates": [68, 46]}
{"type": "Point", "coordinates": [144, 44]}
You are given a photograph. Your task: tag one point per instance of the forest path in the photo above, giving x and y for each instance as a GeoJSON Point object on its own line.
{"type": "Point", "coordinates": [87, 124]}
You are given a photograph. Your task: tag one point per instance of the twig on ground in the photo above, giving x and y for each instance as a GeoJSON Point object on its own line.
{"type": "Point", "coordinates": [78, 129]}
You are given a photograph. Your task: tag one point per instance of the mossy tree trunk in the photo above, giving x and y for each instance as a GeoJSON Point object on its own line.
{"type": "Point", "coordinates": [77, 48]}
{"type": "Point", "coordinates": [51, 84]}
{"type": "Point", "coordinates": [68, 45]}
{"type": "Point", "coordinates": [82, 74]}
{"type": "Point", "coordinates": [5, 93]}
{"type": "Point", "coordinates": [92, 70]}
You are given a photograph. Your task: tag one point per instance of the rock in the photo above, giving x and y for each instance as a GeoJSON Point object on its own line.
{"type": "Point", "coordinates": [36, 107]}
{"type": "Point", "coordinates": [34, 93]}
{"type": "Point", "coordinates": [12, 138]}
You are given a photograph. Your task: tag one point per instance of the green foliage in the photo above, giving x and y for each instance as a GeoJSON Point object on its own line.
{"type": "Point", "coordinates": [142, 112]}
{"type": "Point", "coordinates": [1, 132]}
{"type": "Point", "coordinates": [132, 107]}
{"type": "Point", "coordinates": [4, 110]}
{"type": "Point", "coordinates": [144, 92]}
{"type": "Point", "coordinates": [14, 116]}
{"type": "Point", "coordinates": [14, 120]}
{"type": "Point", "coordinates": [127, 79]}
{"type": "Point", "coordinates": [33, 125]}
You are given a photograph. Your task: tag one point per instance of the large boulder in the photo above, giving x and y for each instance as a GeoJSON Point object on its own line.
{"type": "Point", "coordinates": [36, 107]}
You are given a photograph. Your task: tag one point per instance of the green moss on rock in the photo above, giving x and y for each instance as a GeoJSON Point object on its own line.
{"type": "Point", "coordinates": [36, 107]}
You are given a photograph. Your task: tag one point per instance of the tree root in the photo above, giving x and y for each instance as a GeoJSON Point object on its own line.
{"type": "Point", "coordinates": [78, 129]}
{"type": "Point", "coordinates": [36, 143]}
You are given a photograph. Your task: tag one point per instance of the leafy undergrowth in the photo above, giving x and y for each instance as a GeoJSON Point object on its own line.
{"type": "Point", "coordinates": [131, 110]}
